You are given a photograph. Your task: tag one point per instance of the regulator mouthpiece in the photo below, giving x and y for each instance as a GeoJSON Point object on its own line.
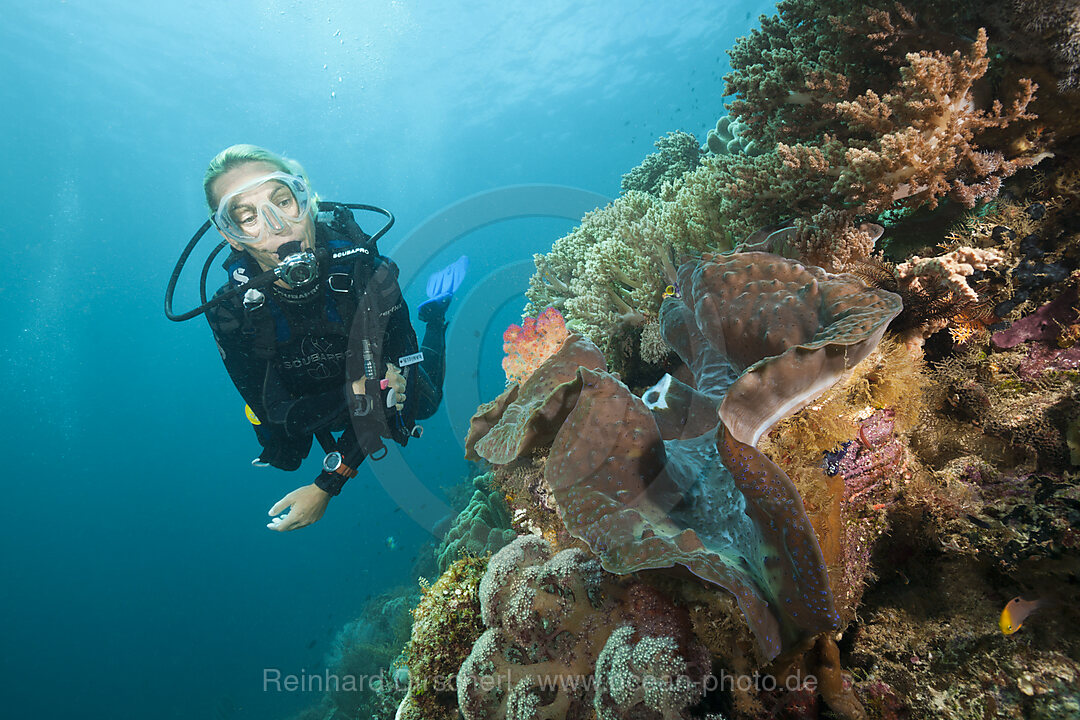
{"type": "Point", "coordinates": [290, 248]}
{"type": "Point", "coordinates": [298, 269]}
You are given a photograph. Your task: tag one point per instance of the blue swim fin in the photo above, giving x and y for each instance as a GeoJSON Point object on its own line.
{"type": "Point", "coordinates": [441, 286]}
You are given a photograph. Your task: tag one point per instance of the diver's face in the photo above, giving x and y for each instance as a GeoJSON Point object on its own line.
{"type": "Point", "coordinates": [266, 241]}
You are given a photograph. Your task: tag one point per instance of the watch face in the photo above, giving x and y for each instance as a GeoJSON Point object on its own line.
{"type": "Point", "coordinates": [332, 462]}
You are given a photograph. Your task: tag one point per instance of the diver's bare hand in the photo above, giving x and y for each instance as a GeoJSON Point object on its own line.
{"type": "Point", "coordinates": [307, 505]}
{"type": "Point", "coordinates": [393, 380]}
{"type": "Point", "coordinates": [396, 381]}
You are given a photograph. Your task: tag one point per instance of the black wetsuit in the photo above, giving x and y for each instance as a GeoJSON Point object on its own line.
{"type": "Point", "coordinates": [290, 357]}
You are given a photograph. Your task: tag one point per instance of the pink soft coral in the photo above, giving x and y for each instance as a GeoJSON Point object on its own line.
{"type": "Point", "coordinates": [529, 344]}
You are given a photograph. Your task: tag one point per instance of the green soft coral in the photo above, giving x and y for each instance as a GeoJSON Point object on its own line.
{"type": "Point", "coordinates": [678, 153]}
{"type": "Point", "coordinates": [613, 269]}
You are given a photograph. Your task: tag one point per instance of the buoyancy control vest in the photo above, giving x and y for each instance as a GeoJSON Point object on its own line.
{"type": "Point", "coordinates": [313, 338]}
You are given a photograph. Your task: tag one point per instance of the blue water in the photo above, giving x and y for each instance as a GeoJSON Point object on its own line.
{"type": "Point", "coordinates": [138, 577]}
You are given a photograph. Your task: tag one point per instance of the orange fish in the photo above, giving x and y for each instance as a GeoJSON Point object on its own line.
{"type": "Point", "coordinates": [1015, 612]}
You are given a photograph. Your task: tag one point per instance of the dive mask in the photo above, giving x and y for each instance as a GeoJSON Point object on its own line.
{"type": "Point", "coordinates": [270, 204]}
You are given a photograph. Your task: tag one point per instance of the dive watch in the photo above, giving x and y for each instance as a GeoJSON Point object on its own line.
{"type": "Point", "coordinates": [333, 463]}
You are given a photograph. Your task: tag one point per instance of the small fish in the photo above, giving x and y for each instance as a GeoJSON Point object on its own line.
{"type": "Point", "coordinates": [391, 542]}
{"type": "Point", "coordinates": [672, 291]}
{"type": "Point", "coordinates": [1015, 612]}
{"type": "Point", "coordinates": [311, 644]}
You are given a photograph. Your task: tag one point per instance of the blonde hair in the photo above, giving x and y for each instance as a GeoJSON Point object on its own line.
{"type": "Point", "coordinates": [236, 155]}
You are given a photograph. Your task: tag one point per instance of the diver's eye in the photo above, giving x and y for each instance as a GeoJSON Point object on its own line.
{"type": "Point", "coordinates": [246, 220]}
{"type": "Point", "coordinates": [282, 196]}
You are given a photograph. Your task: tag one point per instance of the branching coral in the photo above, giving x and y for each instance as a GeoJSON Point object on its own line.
{"type": "Point", "coordinates": [926, 131]}
{"type": "Point", "coordinates": [819, 62]}
{"type": "Point", "coordinates": [943, 282]}
{"type": "Point", "coordinates": [906, 147]}
{"type": "Point", "coordinates": [869, 108]}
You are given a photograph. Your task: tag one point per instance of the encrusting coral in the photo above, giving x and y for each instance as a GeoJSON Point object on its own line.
{"type": "Point", "coordinates": [446, 624]}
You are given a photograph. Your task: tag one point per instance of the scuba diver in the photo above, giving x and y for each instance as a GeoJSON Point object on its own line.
{"type": "Point", "coordinates": [312, 326]}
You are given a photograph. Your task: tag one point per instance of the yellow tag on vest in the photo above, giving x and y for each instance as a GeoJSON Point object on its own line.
{"type": "Point", "coordinates": [252, 418]}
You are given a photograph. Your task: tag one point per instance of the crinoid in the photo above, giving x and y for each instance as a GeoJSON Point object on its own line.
{"type": "Point", "coordinates": [927, 309]}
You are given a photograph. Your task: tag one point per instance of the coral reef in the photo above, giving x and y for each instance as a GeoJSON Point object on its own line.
{"type": "Point", "coordinates": [710, 419]}
{"type": "Point", "coordinates": [726, 138]}
{"type": "Point", "coordinates": [861, 456]}
{"type": "Point", "coordinates": [678, 154]}
{"type": "Point", "coordinates": [862, 110]}
{"type": "Point", "coordinates": [566, 639]}
{"type": "Point", "coordinates": [865, 116]}
{"type": "Point", "coordinates": [482, 528]}
{"type": "Point", "coordinates": [529, 344]}
{"type": "Point", "coordinates": [446, 624]}
{"type": "Point", "coordinates": [621, 489]}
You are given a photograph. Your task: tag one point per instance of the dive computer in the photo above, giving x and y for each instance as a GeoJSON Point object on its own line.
{"type": "Point", "coordinates": [333, 463]}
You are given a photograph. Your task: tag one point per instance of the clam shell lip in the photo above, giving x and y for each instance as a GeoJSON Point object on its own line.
{"type": "Point", "coordinates": [655, 398]}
